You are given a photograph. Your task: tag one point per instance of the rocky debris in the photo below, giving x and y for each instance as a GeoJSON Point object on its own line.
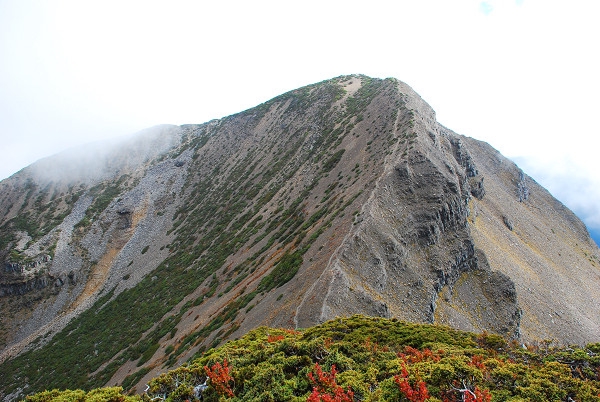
{"type": "Point", "coordinates": [19, 278]}
{"type": "Point", "coordinates": [463, 156]}
{"type": "Point", "coordinates": [477, 189]}
{"type": "Point", "coordinates": [464, 159]}
{"type": "Point", "coordinates": [23, 240]}
{"type": "Point", "coordinates": [19, 288]}
{"type": "Point", "coordinates": [125, 216]}
{"type": "Point", "coordinates": [508, 222]}
{"type": "Point", "coordinates": [479, 298]}
{"type": "Point", "coordinates": [23, 267]}
{"type": "Point", "coordinates": [522, 188]}
{"type": "Point", "coordinates": [64, 279]}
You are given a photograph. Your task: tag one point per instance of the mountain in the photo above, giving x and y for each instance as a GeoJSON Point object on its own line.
{"type": "Point", "coordinates": [122, 260]}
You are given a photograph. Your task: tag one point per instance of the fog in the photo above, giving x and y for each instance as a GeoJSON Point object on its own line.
{"type": "Point", "coordinates": [105, 159]}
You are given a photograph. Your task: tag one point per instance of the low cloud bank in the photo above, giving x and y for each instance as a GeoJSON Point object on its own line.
{"type": "Point", "coordinates": [104, 159]}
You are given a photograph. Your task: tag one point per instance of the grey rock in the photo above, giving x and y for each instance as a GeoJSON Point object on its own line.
{"type": "Point", "coordinates": [508, 222]}
{"type": "Point", "coordinates": [522, 187]}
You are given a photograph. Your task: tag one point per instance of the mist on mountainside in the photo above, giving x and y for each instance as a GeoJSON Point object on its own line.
{"type": "Point", "coordinates": [104, 159]}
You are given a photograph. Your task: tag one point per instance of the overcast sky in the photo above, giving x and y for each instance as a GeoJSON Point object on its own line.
{"type": "Point", "coordinates": [522, 75]}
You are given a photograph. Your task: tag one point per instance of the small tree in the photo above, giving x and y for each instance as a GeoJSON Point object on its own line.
{"type": "Point", "coordinates": [416, 393]}
{"type": "Point", "coordinates": [220, 378]}
{"type": "Point", "coordinates": [325, 388]}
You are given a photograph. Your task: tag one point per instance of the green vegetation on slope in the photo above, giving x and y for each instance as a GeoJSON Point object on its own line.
{"type": "Point", "coordinates": [112, 394]}
{"type": "Point", "coordinates": [375, 359]}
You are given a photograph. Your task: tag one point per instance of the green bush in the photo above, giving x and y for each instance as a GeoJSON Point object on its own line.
{"type": "Point", "coordinates": [112, 394]}
{"type": "Point", "coordinates": [377, 359]}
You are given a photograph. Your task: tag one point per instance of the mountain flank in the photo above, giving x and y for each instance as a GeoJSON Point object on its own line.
{"type": "Point", "coordinates": [342, 197]}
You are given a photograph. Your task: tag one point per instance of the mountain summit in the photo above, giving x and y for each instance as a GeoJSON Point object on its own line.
{"type": "Point", "coordinates": [342, 197]}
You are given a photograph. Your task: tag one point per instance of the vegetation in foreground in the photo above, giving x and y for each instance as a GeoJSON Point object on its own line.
{"type": "Point", "coordinates": [370, 359]}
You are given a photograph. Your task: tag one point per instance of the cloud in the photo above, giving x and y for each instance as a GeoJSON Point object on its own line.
{"type": "Point", "coordinates": [106, 158]}
{"type": "Point", "coordinates": [486, 7]}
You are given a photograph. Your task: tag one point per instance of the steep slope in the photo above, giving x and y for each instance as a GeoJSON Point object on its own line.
{"type": "Point", "coordinates": [62, 230]}
{"type": "Point", "coordinates": [542, 246]}
{"type": "Point", "coordinates": [338, 198]}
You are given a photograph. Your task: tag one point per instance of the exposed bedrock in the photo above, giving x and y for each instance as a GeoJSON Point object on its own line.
{"type": "Point", "coordinates": [411, 254]}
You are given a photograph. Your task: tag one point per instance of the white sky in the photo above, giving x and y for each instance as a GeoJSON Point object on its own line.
{"type": "Point", "coordinates": [522, 75]}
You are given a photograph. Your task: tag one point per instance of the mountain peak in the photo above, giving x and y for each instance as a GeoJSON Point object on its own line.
{"type": "Point", "coordinates": [341, 197]}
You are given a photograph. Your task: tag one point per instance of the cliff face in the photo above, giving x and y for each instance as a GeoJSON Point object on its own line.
{"type": "Point", "coordinates": [412, 254]}
{"type": "Point", "coordinates": [338, 198]}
